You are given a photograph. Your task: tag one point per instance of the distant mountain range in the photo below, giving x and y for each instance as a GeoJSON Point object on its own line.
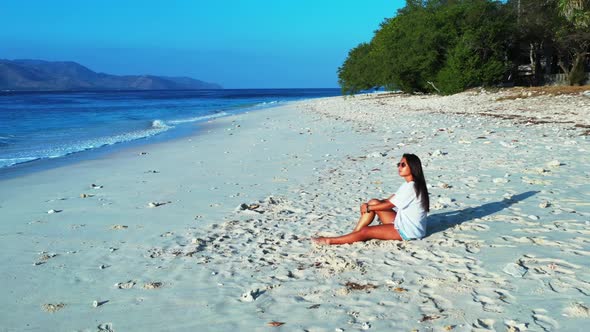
{"type": "Point", "coordinates": [39, 75]}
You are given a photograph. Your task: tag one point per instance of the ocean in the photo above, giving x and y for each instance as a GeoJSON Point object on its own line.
{"type": "Point", "coordinates": [43, 126]}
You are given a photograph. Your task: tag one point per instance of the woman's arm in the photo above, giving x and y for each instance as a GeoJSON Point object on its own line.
{"type": "Point", "coordinates": [377, 205]}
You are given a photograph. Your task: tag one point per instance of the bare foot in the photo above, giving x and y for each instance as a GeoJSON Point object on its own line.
{"type": "Point", "coordinates": [320, 240]}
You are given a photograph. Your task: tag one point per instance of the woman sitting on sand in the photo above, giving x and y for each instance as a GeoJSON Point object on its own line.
{"type": "Point", "coordinates": [402, 215]}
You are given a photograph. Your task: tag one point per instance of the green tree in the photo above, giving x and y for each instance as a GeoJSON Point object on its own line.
{"type": "Point", "coordinates": [576, 11]}
{"type": "Point", "coordinates": [358, 71]}
{"type": "Point", "coordinates": [573, 39]}
{"type": "Point", "coordinates": [432, 46]}
{"type": "Point", "coordinates": [478, 55]}
{"type": "Point", "coordinates": [380, 55]}
{"type": "Point", "coordinates": [412, 47]}
{"type": "Point", "coordinates": [533, 35]}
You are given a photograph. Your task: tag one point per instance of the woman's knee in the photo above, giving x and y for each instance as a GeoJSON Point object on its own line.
{"type": "Point", "coordinates": [374, 201]}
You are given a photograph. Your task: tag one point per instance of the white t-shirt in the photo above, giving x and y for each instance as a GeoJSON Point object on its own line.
{"type": "Point", "coordinates": [411, 217]}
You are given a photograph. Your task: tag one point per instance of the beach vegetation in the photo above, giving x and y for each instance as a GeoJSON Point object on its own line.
{"type": "Point", "coordinates": [357, 72]}
{"type": "Point", "coordinates": [533, 35]}
{"type": "Point", "coordinates": [573, 39]}
{"type": "Point", "coordinates": [444, 46]}
{"type": "Point", "coordinates": [476, 56]}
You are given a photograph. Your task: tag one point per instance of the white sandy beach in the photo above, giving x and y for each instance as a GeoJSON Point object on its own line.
{"type": "Point", "coordinates": [161, 243]}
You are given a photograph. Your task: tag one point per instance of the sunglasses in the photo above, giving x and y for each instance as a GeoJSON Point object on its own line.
{"type": "Point", "coordinates": [402, 165]}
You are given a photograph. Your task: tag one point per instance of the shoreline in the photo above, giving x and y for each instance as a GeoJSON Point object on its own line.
{"type": "Point", "coordinates": [117, 123]}
{"type": "Point", "coordinates": [185, 131]}
{"type": "Point", "coordinates": [508, 248]}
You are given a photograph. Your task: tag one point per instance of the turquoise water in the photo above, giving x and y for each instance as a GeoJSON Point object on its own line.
{"type": "Point", "coordinates": [41, 126]}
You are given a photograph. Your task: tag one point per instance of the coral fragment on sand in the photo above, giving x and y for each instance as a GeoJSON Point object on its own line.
{"type": "Point", "coordinates": [354, 286]}
{"type": "Point", "coordinates": [153, 285]}
{"type": "Point", "coordinates": [50, 307]}
{"type": "Point", "coordinates": [125, 285]}
{"type": "Point", "coordinates": [119, 227]}
{"type": "Point", "coordinates": [426, 318]}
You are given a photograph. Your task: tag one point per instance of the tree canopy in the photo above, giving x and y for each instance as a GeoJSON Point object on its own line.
{"type": "Point", "coordinates": [447, 46]}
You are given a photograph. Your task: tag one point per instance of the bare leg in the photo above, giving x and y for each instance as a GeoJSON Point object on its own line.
{"type": "Point", "coordinates": [379, 232]}
{"type": "Point", "coordinates": [386, 217]}
{"type": "Point", "coordinates": [366, 219]}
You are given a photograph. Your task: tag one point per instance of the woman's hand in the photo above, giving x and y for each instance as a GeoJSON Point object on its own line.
{"type": "Point", "coordinates": [364, 208]}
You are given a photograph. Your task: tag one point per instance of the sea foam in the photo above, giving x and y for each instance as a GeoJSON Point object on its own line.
{"type": "Point", "coordinates": [199, 118]}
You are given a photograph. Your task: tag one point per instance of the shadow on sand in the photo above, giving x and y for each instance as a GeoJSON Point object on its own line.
{"type": "Point", "coordinates": [442, 221]}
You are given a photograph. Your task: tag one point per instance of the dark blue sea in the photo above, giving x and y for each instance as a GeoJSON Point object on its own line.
{"type": "Point", "coordinates": [37, 126]}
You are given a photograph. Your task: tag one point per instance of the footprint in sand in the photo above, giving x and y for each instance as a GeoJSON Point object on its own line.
{"type": "Point", "coordinates": [581, 286]}
{"type": "Point", "coordinates": [548, 266]}
{"type": "Point", "coordinates": [488, 304]}
{"type": "Point", "coordinates": [577, 310]}
{"type": "Point", "coordinates": [433, 303]}
{"type": "Point", "coordinates": [504, 296]}
{"type": "Point", "coordinates": [545, 322]}
{"type": "Point", "coordinates": [487, 324]}
{"type": "Point", "coordinates": [514, 326]}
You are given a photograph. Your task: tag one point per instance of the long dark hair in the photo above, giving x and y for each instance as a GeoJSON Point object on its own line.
{"type": "Point", "coordinates": [419, 181]}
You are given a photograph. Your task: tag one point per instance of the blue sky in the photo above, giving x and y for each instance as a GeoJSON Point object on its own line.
{"type": "Point", "coordinates": [238, 44]}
